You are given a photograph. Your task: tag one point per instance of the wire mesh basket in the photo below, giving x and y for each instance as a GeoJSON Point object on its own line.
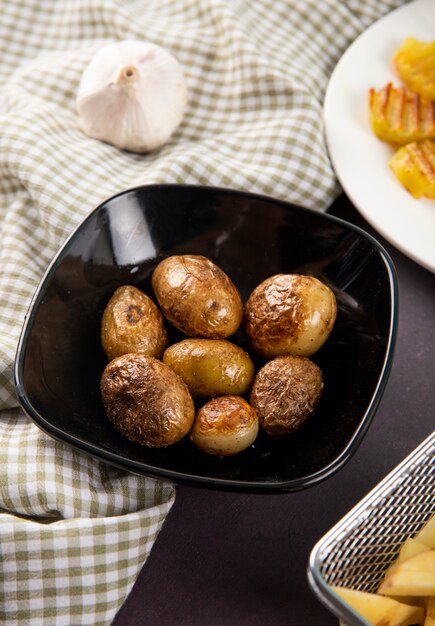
{"type": "Point", "coordinates": [356, 552]}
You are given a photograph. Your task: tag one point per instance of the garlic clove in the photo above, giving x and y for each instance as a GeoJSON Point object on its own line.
{"type": "Point", "coordinates": [132, 95]}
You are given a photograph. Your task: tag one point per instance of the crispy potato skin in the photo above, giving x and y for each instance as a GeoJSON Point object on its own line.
{"type": "Point", "coordinates": [146, 401]}
{"type": "Point", "coordinates": [285, 393]}
{"type": "Point", "coordinates": [225, 426]}
{"type": "Point", "coordinates": [211, 367]}
{"type": "Point", "coordinates": [289, 314]}
{"type": "Point", "coordinates": [132, 323]}
{"type": "Point", "coordinates": [197, 297]}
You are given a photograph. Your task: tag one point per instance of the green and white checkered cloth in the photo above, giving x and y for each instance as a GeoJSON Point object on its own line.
{"type": "Point", "coordinates": [73, 532]}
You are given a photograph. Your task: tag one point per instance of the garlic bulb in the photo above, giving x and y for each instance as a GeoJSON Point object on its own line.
{"type": "Point", "coordinates": [132, 95]}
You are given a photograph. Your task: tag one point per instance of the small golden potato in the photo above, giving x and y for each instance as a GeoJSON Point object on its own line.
{"type": "Point", "coordinates": [146, 401]}
{"type": "Point", "coordinates": [289, 314]}
{"type": "Point", "coordinates": [132, 323]}
{"type": "Point", "coordinates": [197, 297]}
{"type": "Point", "coordinates": [285, 393]}
{"type": "Point", "coordinates": [211, 367]}
{"type": "Point", "coordinates": [225, 426]}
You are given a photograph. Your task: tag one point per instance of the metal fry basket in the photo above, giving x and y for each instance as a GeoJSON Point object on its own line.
{"type": "Point", "coordinates": [356, 552]}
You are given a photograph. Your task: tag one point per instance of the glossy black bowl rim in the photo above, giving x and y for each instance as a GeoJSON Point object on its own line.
{"type": "Point", "coordinates": [283, 486]}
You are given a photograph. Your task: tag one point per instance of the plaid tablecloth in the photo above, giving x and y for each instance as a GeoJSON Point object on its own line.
{"type": "Point", "coordinates": [73, 532]}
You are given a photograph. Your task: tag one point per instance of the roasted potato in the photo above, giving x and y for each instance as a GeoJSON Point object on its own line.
{"type": "Point", "coordinates": [197, 297]}
{"type": "Point", "coordinates": [285, 393]}
{"type": "Point", "coordinates": [146, 400]}
{"type": "Point", "coordinates": [225, 426]}
{"type": "Point", "coordinates": [132, 323]}
{"type": "Point", "coordinates": [414, 167]}
{"type": "Point", "coordinates": [415, 63]}
{"type": "Point", "coordinates": [289, 314]}
{"type": "Point", "coordinates": [211, 367]}
{"type": "Point", "coordinates": [398, 115]}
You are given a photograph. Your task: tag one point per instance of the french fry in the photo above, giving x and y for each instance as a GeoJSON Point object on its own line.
{"type": "Point", "coordinates": [413, 577]}
{"type": "Point", "coordinates": [410, 547]}
{"type": "Point", "coordinates": [430, 612]}
{"type": "Point", "coordinates": [427, 534]}
{"type": "Point", "coordinates": [407, 594]}
{"type": "Point", "coordinates": [381, 611]}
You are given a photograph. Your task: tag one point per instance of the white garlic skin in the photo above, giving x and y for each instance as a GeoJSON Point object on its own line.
{"type": "Point", "coordinates": [132, 95]}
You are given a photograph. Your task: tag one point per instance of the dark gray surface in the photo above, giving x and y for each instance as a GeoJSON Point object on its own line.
{"type": "Point", "coordinates": [239, 559]}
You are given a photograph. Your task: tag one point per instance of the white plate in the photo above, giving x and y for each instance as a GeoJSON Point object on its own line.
{"type": "Point", "coordinates": [359, 158]}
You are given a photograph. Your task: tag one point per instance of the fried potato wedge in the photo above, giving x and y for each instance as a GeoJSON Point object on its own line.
{"type": "Point", "coordinates": [381, 611]}
{"type": "Point", "coordinates": [415, 64]}
{"type": "Point", "coordinates": [413, 577]}
{"type": "Point", "coordinates": [427, 534]}
{"type": "Point", "coordinates": [410, 547]}
{"type": "Point", "coordinates": [408, 584]}
{"type": "Point", "coordinates": [430, 612]}
{"type": "Point", "coordinates": [399, 116]}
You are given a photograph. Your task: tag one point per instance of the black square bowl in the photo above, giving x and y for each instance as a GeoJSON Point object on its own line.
{"type": "Point", "coordinates": [59, 360]}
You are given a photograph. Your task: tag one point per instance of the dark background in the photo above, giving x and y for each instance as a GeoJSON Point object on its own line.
{"type": "Point", "coordinates": [240, 559]}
